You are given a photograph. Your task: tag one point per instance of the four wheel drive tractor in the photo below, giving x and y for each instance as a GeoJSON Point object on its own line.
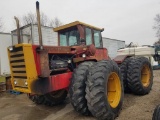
{"type": "Point", "coordinates": [80, 66]}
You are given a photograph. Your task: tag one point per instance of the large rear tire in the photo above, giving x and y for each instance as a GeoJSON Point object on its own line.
{"type": "Point", "coordinates": [77, 88]}
{"type": "Point", "coordinates": [55, 98]}
{"type": "Point", "coordinates": [124, 69]}
{"type": "Point", "coordinates": [104, 90]}
{"type": "Point", "coordinates": [38, 99]}
{"type": "Point", "coordinates": [156, 114]}
{"type": "Point", "coordinates": [140, 76]}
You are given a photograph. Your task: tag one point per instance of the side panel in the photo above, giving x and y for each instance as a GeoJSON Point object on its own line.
{"type": "Point", "coordinates": [52, 83]}
{"type": "Point", "coordinates": [30, 62]}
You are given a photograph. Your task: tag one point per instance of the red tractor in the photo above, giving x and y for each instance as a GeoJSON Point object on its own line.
{"type": "Point", "coordinates": [80, 66]}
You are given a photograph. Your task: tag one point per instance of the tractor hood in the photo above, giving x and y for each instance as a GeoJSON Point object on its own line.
{"type": "Point", "coordinates": [69, 49]}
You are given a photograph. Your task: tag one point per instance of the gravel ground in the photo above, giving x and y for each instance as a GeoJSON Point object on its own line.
{"type": "Point", "coordinates": [19, 107]}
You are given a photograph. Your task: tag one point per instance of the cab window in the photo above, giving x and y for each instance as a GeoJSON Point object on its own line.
{"type": "Point", "coordinates": [88, 36]}
{"type": "Point", "coordinates": [97, 38]}
{"type": "Point", "coordinates": [63, 40]}
{"type": "Point", "coordinates": [68, 38]}
{"type": "Point", "coordinates": [73, 38]}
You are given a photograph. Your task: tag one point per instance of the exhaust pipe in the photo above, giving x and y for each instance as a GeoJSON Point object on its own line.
{"type": "Point", "coordinates": [39, 25]}
{"type": "Point", "coordinates": [18, 30]}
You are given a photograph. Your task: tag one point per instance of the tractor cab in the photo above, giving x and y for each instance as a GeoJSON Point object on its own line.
{"type": "Point", "coordinates": [78, 33]}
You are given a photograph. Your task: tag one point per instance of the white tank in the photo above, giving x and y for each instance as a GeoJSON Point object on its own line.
{"type": "Point", "coordinates": [137, 51]}
{"type": "Point", "coordinates": [145, 51]}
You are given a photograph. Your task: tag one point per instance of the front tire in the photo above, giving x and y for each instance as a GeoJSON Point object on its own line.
{"type": "Point", "coordinates": [104, 90]}
{"type": "Point", "coordinates": [77, 88]}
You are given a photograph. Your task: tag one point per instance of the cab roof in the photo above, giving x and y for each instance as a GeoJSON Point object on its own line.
{"type": "Point", "coordinates": [74, 24]}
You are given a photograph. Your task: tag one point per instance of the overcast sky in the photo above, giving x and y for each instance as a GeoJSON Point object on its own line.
{"type": "Point", "coordinates": [128, 20]}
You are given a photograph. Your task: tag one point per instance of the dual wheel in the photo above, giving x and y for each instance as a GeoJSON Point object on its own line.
{"type": "Point", "coordinates": [137, 75]}
{"type": "Point", "coordinates": [97, 89]}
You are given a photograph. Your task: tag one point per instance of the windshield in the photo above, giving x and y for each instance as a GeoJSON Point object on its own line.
{"type": "Point", "coordinates": [69, 38]}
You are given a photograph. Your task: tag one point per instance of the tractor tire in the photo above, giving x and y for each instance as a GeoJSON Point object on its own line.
{"type": "Point", "coordinates": [140, 76]}
{"type": "Point", "coordinates": [156, 113]}
{"type": "Point", "coordinates": [124, 69]}
{"type": "Point", "coordinates": [104, 90]}
{"type": "Point", "coordinates": [77, 88]}
{"type": "Point", "coordinates": [38, 99]}
{"type": "Point", "coordinates": [55, 98]}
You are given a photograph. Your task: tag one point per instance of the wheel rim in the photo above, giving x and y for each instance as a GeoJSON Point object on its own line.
{"type": "Point", "coordinates": [145, 75]}
{"type": "Point", "coordinates": [113, 90]}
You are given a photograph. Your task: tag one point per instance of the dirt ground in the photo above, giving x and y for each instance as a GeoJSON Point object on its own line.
{"type": "Point", "coordinates": [19, 107]}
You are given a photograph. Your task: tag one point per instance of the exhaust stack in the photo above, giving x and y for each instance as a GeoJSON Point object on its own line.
{"type": "Point", "coordinates": [39, 25]}
{"type": "Point", "coordinates": [18, 30]}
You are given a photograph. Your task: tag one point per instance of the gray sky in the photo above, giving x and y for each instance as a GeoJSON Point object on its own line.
{"type": "Point", "coordinates": [128, 20]}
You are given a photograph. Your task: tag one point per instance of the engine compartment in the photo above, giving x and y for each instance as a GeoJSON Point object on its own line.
{"type": "Point", "coordinates": [59, 63]}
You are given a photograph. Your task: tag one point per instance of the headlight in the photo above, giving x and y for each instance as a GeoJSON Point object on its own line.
{"type": "Point", "coordinates": [83, 55]}
{"type": "Point", "coordinates": [10, 48]}
{"type": "Point", "coordinates": [69, 61]}
{"type": "Point", "coordinates": [26, 83]}
{"type": "Point", "coordinates": [15, 82]}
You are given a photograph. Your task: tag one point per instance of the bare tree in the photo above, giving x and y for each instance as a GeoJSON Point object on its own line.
{"type": "Point", "coordinates": [157, 42]}
{"type": "Point", "coordinates": [55, 22]}
{"type": "Point", "coordinates": [157, 25]}
{"type": "Point", "coordinates": [44, 19]}
{"type": "Point", "coordinates": [30, 18]}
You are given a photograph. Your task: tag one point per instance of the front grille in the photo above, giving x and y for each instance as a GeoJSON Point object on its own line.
{"type": "Point", "coordinates": [23, 67]}
{"type": "Point", "coordinates": [17, 63]}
